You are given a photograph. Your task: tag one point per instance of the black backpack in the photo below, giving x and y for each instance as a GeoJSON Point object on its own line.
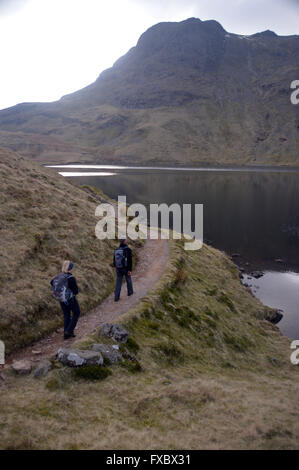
{"type": "Point", "coordinates": [120, 258]}
{"type": "Point", "coordinates": [61, 290]}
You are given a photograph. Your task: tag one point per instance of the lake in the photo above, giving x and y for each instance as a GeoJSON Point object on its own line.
{"type": "Point", "coordinates": [250, 213]}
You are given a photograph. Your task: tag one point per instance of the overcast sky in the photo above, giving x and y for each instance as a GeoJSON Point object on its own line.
{"type": "Point", "coordinates": [53, 47]}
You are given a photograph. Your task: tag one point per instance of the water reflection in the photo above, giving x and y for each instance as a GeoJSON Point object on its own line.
{"type": "Point", "coordinates": [280, 291]}
{"type": "Point", "coordinates": [254, 214]}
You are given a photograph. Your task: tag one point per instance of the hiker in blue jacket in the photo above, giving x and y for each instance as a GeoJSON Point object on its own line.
{"type": "Point", "coordinates": [65, 290]}
{"type": "Point", "coordinates": [122, 261]}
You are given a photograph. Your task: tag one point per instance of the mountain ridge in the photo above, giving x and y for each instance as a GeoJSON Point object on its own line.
{"type": "Point", "coordinates": [187, 93]}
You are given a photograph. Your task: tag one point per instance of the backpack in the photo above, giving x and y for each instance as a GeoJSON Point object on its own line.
{"type": "Point", "coordinates": [120, 258]}
{"type": "Point", "coordinates": [61, 290]}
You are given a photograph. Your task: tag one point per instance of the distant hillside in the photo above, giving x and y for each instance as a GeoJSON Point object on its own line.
{"type": "Point", "coordinates": [44, 220]}
{"type": "Point", "coordinates": [188, 93]}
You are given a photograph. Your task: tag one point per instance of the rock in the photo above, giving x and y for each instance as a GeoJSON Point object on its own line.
{"type": "Point", "coordinates": [36, 352]}
{"type": "Point", "coordinates": [117, 332]}
{"type": "Point", "coordinates": [42, 369]}
{"type": "Point", "coordinates": [129, 356]}
{"type": "Point", "coordinates": [275, 317]}
{"type": "Point", "coordinates": [112, 354]}
{"type": "Point", "coordinates": [257, 274]}
{"type": "Point", "coordinates": [22, 367]}
{"type": "Point", "coordinates": [105, 329]}
{"type": "Point", "coordinates": [77, 358]}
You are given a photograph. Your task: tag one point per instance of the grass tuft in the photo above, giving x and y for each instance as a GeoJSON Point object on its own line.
{"type": "Point", "coordinates": [91, 372]}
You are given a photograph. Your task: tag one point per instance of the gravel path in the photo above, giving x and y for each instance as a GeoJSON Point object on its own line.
{"type": "Point", "coordinates": [154, 256]}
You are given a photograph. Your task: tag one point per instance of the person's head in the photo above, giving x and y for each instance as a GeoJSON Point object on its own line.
{"type": "Point", "coordinates": [67, 266]}
{"type": "Point", "coordinates": [123, 241]}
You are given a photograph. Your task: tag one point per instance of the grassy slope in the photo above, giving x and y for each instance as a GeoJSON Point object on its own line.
{"type": "Point", "coordinates": [199, 133]}
{"type": "Point", "coordinates": [214, 375]}
{"type": "Point", "coordinates": [43, 220]}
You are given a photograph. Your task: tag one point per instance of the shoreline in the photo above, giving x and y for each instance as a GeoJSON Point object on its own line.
{"type": "Point", "coordinates": [238, 168]}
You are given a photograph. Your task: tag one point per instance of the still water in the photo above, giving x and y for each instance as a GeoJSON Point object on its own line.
{"type": "Point", "coordinates": [251, 213]}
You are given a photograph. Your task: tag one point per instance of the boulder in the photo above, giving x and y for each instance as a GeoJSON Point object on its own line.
{"type": "Point", "coordinates": [275, 317]}
{"type": "Point", "coordinates": [128, 355]}
{"type": "Point", "coordinates": [257, 274]}
{"type": "Point", "coordinates": [117, 332]}
{"type": "Point", "coordinates": [112, 354]}
{"type": "Point", "coordinates": [77, 358]}
{"type": "Point", "coordinates": [22, 367]}
{"type": "Point", "coordinates": [42, 369]}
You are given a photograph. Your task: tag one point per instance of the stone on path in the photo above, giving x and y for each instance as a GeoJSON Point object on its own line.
{"type": "Point", "coordinates": [22, 367]}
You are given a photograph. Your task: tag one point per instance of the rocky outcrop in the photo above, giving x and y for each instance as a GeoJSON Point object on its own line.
{"type": "Point", "coordinates": [117, 332]}
{"type": "Point", "coordinates": [275, 317]}
{"type": "Point", "coordinates": [111, 353]}
{"type": "Point", "coordinates": [77, 357]}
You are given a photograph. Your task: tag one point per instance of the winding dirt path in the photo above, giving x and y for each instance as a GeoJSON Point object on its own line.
{"type": "Point", "coordinates": [154, 256]}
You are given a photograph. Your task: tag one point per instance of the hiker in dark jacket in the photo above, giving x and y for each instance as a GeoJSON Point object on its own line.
{"type": "Point", "coordinates": [71, 305]}
{"type": "Point", "coordinates": [122, 261]}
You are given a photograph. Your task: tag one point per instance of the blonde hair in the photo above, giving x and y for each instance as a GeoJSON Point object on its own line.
{"type": "Point", "coordinates": [65, 266]}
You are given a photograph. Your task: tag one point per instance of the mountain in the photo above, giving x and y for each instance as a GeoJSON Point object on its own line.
{"type": "Point", "coordinates": [188, 93]}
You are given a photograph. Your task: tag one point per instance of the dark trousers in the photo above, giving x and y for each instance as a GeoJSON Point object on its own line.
{"type": "Point", "coordinates": [120, 273]}
{"type": "Point", "coordinates": [70, 322]}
